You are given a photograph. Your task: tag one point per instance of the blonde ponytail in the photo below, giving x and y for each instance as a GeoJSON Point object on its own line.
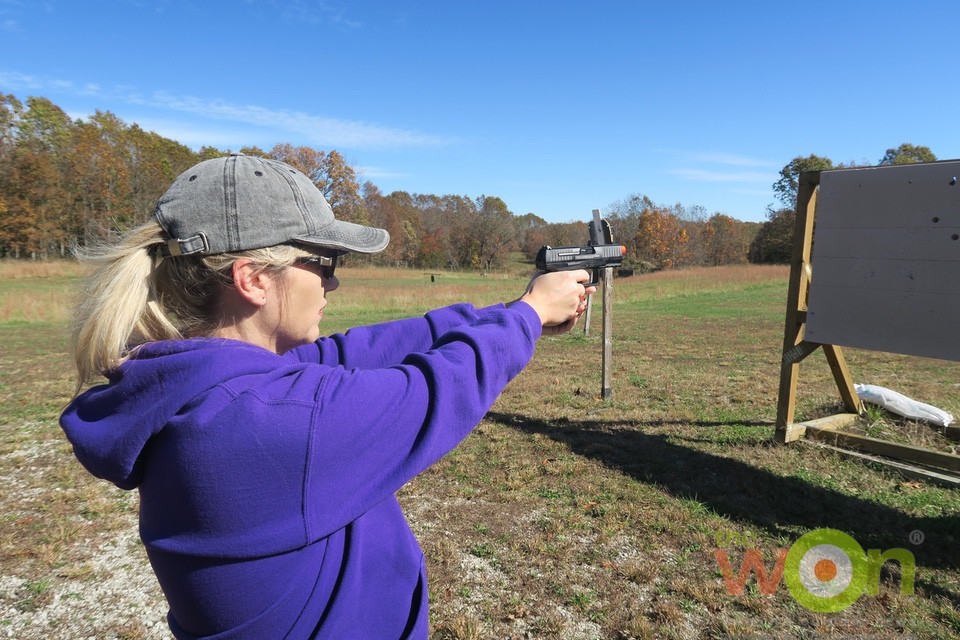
{"type": "Point", "coordinates": [118, 307]}
{"type": "Point", "coordinates": [136, 296]}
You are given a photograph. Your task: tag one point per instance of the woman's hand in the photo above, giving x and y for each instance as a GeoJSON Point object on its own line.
{"type": "Point", "coordinates": [559, 298]}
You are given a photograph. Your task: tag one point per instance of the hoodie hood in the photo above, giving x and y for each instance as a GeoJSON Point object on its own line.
{"type": "Point", "coordinates": [110, 425]}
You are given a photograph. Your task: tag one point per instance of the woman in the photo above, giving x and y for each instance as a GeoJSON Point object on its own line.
{"type": "Point", "coordinates": [266, 457]}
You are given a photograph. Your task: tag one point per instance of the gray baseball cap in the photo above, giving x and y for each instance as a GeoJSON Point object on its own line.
{"type": "Point", "coordinates": [241, 202]}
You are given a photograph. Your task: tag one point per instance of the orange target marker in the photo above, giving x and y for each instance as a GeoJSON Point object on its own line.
{"type": "Point", "coordinates": [825, 570]}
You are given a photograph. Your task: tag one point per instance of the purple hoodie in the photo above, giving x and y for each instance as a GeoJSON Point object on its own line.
{"type": "Point", "coordinates": [267, 482]}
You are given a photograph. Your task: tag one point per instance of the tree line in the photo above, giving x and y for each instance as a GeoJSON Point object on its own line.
{"type": "Point", "coordinates": [70, 183]}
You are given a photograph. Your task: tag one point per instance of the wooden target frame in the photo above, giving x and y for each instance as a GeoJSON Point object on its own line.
{"type": "Point", "coordinates": [896, 189]}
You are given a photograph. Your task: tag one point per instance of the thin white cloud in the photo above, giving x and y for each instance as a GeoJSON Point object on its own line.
{"type": "Point", "coordinates": [294, 125]}
{"type": "Point", "coordinates": [729, 159]}
{"type": "Point", "coordinates": [753, 192]}
{"type": "Point", "coordinates": [369, 173]}
{"type": "Point", "coordinates": [315, 13]}
{"type": "Point", "coordinates": [19, 81]}
{"type": "Point", "coordinates": [317, 129]}
{"type": "Point", "coordinates": [200, 136]}
{"type": "Point", "coordinates": [721, 167]}
{"type": "Point", "coordinates": [10, 11]}
{"type": "Point", "coordinates": [706, 175]}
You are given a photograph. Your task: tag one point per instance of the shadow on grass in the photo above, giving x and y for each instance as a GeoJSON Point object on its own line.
{"type": "Point", "coordinates": [784, 506]}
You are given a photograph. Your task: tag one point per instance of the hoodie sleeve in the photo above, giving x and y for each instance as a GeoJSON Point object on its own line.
{"type": "Point", "coordinates": [374, 430]}
{"type": "Point", "coordinates": [386, 344]}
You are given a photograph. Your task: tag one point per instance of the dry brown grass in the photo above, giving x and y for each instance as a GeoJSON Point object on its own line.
{"type": "Point", "coordinates": [698, 279]}
{"type": "Point", "coordinates": [37, 291]}
{"type": "Point", "coordinates": [17, 269]}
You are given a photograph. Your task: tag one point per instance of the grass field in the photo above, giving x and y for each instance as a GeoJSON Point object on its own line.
{"type": "Point", "coordinates": [562, 516]}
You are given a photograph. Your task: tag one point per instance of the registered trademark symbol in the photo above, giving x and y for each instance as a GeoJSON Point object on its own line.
{"type": "Point", "coordinates": [917, 537]}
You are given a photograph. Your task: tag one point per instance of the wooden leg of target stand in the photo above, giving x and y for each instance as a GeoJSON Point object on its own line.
{"type": "Point", "coordinates": [787, 403]}
{"type": "Point", "coordinates": [787, 430]}
{"type": "Point", "coordinates": [841, 375]}
{"type": "Point", "coordinates": [796, 316]}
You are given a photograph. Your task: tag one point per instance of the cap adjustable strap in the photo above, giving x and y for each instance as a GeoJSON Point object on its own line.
{"type": "Point", "coordinates": [186, 246]}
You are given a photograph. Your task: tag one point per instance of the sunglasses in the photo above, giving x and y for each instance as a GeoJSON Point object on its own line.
{"type": "Point", "coordinates": [324, 265]}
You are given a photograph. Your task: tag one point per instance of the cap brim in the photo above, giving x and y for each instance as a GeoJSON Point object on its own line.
{"type": "Point", "coordinates": [349, 236]}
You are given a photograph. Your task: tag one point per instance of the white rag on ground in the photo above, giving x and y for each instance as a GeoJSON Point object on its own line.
{"type": "Point", "coordinates": [902, 405]}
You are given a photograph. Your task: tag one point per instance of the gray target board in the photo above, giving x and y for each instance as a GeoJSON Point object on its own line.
{"type": "Point", "coordinates": [886, 260]}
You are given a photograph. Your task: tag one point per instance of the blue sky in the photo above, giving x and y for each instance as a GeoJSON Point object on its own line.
{"type": "Point", "coordinates": [557, 107]}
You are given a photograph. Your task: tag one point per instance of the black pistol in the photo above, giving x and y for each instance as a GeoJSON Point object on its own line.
{"type": "Point", "coordinates": [592, 257]}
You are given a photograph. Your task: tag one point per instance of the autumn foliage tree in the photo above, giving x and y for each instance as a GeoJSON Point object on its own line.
{"type": "Point", "coordinates": [398, 214]}
{"type": "Point", "coordinates": [495, 231]}
{"type": "Point", "coordinates": [36, 184]}
{"type": "Point", "coordinates": [69, 182]}
{"type": "Point", "coordinates": [724, 240]}
{"type": "Point", "coordinates": [661, 239]}
{"type": "Point", "coordinates": [773, 244]}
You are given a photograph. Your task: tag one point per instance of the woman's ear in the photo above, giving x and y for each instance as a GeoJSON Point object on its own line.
{"type": "Point", "coordinates": [251, 283]}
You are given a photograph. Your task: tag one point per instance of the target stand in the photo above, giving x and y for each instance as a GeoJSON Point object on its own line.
{"type": "Point", "coordinates": [887, 258]}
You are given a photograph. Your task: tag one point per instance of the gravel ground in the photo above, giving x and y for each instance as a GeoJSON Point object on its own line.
{"type": "Point", "coordinates": [117, 596]}
{"type": "Point", "coordinates": [71, 562]}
